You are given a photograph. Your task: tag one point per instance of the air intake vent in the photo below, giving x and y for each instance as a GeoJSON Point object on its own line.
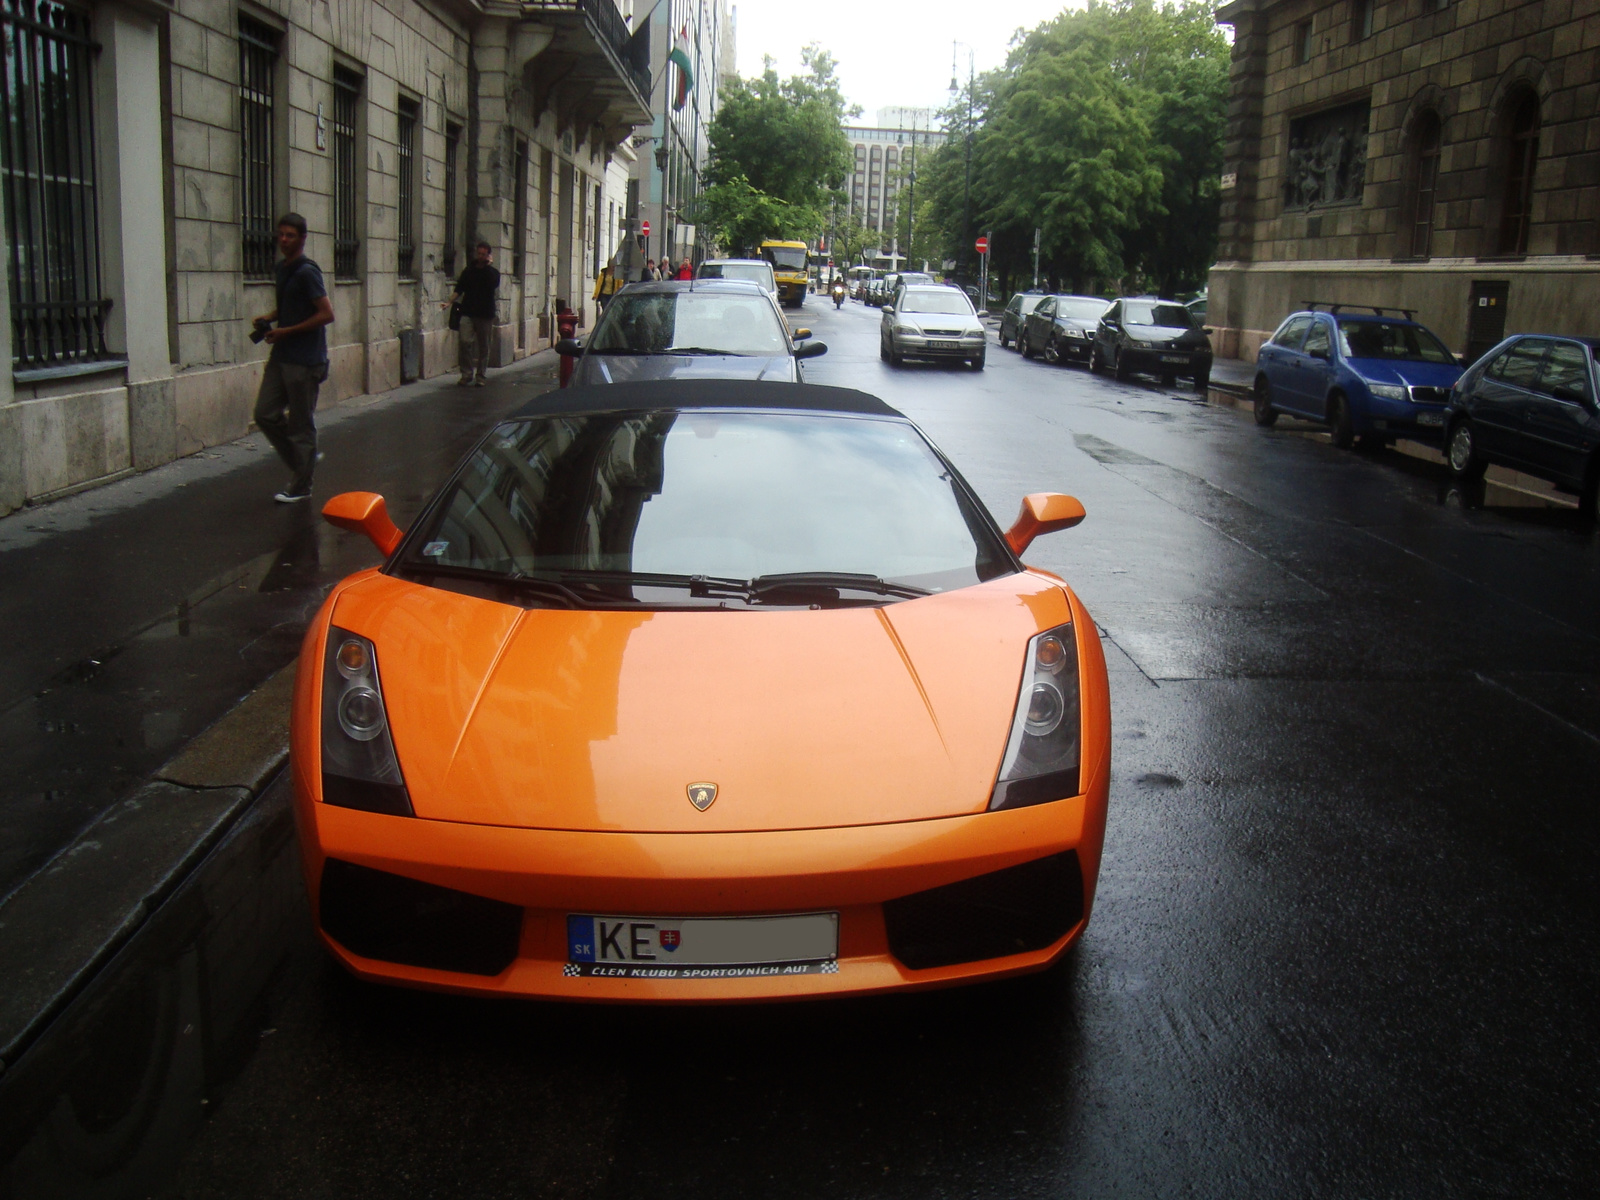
{"type": "Point", "coordinates": [1014, 911]}
{"type": "Point", "coordinates": [389, 917]}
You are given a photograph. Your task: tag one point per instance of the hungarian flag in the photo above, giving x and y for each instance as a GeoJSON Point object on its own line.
{"type": "Point", "coordinates": [680, 58]}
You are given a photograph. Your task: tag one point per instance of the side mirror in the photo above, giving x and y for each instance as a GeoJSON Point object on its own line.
{"type": "Point", "coordinates": [888, 308]}
{"type": "Point", "coordinates": [811, 350]}
{"type": "Point", "coordinates": [569, 348]}
{"type": "Point", "coordinates": [1042, 512]}
{"type": "Point", "coordinates": [982, 313]}
{"type": "Point", "coordinates": [364, 512]}
{"type": "Point", "coordinates": [800, 335]}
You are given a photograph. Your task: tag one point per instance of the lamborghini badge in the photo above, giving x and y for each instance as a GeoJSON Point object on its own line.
{"type": "Point", "coordinates": [702, 794]}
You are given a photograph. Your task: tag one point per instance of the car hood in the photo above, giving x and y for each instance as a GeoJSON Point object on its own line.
{"type": "Point", "coordinates": [1407, 374]}
{"type": "Point", "coordinates": [1156, 336]}
{"type": "Point", "coordinates": [939, 321]}
{"type": "Point", "coordinates": [559, 719]}
{"type": "Point", "coordinates": [630, 368]}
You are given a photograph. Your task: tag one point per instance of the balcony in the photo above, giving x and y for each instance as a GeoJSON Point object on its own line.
{"type": "Point", "coordinates": [587, 64]}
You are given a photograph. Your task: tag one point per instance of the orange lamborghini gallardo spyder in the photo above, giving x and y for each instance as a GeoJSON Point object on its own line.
{"type": "Point", "coordinates": [701, 691]}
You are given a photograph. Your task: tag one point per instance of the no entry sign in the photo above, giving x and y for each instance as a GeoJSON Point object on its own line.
{"type": "Point", "coordinates": [983, 245]}
{"type": "Point", "coordinates": [645, 228]}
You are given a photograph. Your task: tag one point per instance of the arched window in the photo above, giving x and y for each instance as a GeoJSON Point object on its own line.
{"type": "Point", "coordinates": [1522, 134]}
{"type": "Point", "coordinates": [1426, 140]}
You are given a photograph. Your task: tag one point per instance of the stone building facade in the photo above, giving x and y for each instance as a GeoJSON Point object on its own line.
{"type": "Point", "coordinates": [884, 154]}
{"type": "Point", "coordinates": [1435, 155]}
{"type": "Point", "coordinates": [142, 185]}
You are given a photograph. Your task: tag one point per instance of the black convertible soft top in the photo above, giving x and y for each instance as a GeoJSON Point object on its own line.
{"type": "Point", "coordinates": [702, 393]}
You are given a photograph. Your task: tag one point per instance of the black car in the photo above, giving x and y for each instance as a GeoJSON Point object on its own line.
{"type": "Point", "coordinates": [1530, 404]}
{"type": "Point", "coordinates": [1011, 319]}
{"type": "Point", "coordinates": [1158, 337]}
{"type": "Point", "coordinates": [1061, 328]}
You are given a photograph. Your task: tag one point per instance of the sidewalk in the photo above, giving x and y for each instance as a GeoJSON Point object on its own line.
{"type": "Point", "coordinates": [140, 613]}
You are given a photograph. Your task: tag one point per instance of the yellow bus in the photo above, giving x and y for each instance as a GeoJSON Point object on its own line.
{"type": "Point", "coordinates": [788, 261]}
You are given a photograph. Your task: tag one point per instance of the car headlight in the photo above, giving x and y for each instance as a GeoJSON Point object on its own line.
{"type": "Point", "coordinates": [901, 327]}
{"type": "Point", "coordinates": [1041, 759]}
{"type": "Point", "coordinates": [359, 765]}
{"type": "Point", "coordinates": [1074, 333]}
{"type": "Point", "coordinates": [1388, 391]}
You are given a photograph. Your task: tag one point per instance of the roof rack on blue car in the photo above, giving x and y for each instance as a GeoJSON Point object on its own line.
{"type": "Point", "coordinates": [1410, 314]}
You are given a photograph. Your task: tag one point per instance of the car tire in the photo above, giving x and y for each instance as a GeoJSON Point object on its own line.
{"type": "Point", "coordinates": [1461, 453]}
{"type": "Point", "coordinates": [1052, 353]}
{"type": "Point", "coordinates": [895, 357]}
{"type": "Point", "coordinates": [1202, 381]}
{"type": "Point", "coordinates": [1095, 365]}
{"type": "Point", "coordinates": [1022, 345]}
{"type": "Point", "coordinates": [1266, 416]}
{"type": "Point", "coordinates": [1589, 496]}
{"type": "Point", "coordinates": [1169, 381]}
{"type": "Point", "coordinates": [1339, 421]}
{"type": "Point", "coordinates": [1120, 367]}
{"type": "Point", "coordinates": [977, 363]}
{"type": "Point", "coordinates": [1004, 343]}
{"type": "Point", "coordinates": [883, 350]}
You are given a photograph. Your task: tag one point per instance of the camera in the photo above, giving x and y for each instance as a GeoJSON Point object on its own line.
{"type": "Point", "coordinates": [258, 329]}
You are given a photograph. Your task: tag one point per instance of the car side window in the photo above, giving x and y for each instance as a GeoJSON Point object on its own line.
{"type": "Point", "coordinates": [1566, 372]}
{"type": "Point", "coordinates": [1113, 314]}
{"type": "Point", "coordinates": [1317, 340]}
{"type": "Point", "coordinates": [1519, 366]}
{"type": "Point", "coordinates": [1291, 332]}
{"type": "Point", "coordinates": [1015, 306]}
{"type": "Point", "coordinates": [1047, 308]}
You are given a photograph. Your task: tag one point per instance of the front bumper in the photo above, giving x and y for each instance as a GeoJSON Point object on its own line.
{"type": "Point", "coordinates": [921, 346]}
{"type": "Point", "coordinates": [1168, 362]}
{"type": "Point", "coordinates": [854, 871]}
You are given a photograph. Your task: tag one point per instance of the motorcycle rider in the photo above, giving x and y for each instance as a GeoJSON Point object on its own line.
{"type": "Point", "coordinates": [838, 292]}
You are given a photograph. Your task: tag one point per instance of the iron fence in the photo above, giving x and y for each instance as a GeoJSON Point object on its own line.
{"type": "Point", "coordinates": [47, 160]}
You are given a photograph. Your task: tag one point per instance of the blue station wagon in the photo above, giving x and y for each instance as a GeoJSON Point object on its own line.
{"type": "Point", "coordinates": [1367, 375]}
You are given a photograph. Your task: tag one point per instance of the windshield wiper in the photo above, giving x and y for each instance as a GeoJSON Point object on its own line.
{"type": "Point", "coordinates": [706, 350]}
{"type": "Point", "coordinates": [794, 581]}
{"type": "Point", "coordinates": [548, 589]}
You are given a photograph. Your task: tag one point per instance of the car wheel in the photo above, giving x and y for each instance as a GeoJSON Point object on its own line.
{"type": "Point", "coordinates": [1266, 416]}
{"type": "Point", "coordinates": [1120, 367]}
{"type": "Point", "coordinates": [1095, 365]}
{"type": "Point", "coordinates": [977, 363]}
{"type": "Point", "coordinates": [1022, 345]}
{"type": "Point", "coordinates": [1052, 353]}
{"type": "Point", "coordinates": [1202, 381]}
{"type": "Point", "coordinates": [1339, 421]}
{"type": "Point", "coordinates": [883, 350]}
{"type": "Point", "coordinates": [1461, 453]}
{"type": "Point", "coordinates": [1004, 342]}
{"type": "Point", "coordinates": [895, 356]}
{"type": "Point", "coordinates": [1169, 381]}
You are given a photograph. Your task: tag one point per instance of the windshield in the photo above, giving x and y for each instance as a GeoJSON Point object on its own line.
{"type": "Point", "coordinates": [909, 277]}
{"type": "Point", "coordinates": [1165, 316]}
{"type": "Point", "coordinates": [792, 257]}
{"type": "Point", "coordinates": [1391, 340]}
{"type": "Point", "coordinates": [689, 322]}
{"type": "Point", "coordinates": [729, 495]}
{"type": "Point", "coordinates": [1081, 310]}
{"type": "Point", "coordinates": [757, 273]}
{"type": "Point", "coordinates": [936, 300]}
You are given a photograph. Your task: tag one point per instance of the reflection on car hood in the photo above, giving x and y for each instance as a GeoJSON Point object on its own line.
{"type": "Point", "coordinates": [1406, 374]}
{"type": "Point", "coordinates": [1155, 333]}
{"type": "Point", "coordinates": [630, 368]}
{"type": "Point", "coordinates": [559, 719]}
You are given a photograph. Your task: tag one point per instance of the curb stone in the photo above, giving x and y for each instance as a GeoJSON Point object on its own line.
{"type": "Point", "coordinates": [67, 921]}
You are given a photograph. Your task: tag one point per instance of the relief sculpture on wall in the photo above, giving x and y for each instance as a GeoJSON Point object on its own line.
{"type": "Point", "coordinates": [1327, 162]}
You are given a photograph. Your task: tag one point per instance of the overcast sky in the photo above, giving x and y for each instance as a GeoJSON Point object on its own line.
{"type": "Point", "coordinates": [889, 52]}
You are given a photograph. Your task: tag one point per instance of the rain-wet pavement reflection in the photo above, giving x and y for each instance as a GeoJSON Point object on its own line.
{"type": "Point", "coordinates": [1345, 942]}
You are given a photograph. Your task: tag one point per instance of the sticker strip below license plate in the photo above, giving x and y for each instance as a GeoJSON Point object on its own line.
{"type": "Point", "coordinates": [702, 947]}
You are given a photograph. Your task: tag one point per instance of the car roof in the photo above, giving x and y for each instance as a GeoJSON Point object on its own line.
{"type": "Point", "coordinates": [663, 394]}
{"type": "Point", "coordinates": [1373, 318]}
{"type": "Point", "coordinates": [721, 262]}
{"type": "Point", "coordinates": [1071, 296]}
{"type": "Point", "coordinates": [743, 286]}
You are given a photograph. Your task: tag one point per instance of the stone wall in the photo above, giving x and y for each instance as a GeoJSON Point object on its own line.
{"type": "Point", "coordinates": [1465, 61]}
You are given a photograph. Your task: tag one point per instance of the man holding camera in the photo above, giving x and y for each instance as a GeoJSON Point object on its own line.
{"type": "Point", "coordinates": [286, 406]}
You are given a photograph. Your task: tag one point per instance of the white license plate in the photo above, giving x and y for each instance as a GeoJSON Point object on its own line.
{"type": "Point", "coordinates": [1430, 418]}
{"type": "Point", "coordinates": [702, 947]}
{"type": "Point", "coordinates": [944, 345]}
{"type": "Point", "coordinates": [1174, 358]}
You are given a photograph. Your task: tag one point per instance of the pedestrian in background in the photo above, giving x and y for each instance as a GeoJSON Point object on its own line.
{"type": "Point", "coordinates": [286, 406]}
{"type": "Point", "coordinates": [475, 294]}
{"type": "Point", "coordinates": [686, 269]}
{"type": "Point", "coordinates": [649, 272]}
{"type": "Point", "coordinates": [606, 286]}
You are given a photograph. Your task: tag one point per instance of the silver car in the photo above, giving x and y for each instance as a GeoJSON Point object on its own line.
{"type": "Point", "coordinates": [698, 329]}
{"type": "Point", "coordinates": [931, 322]}
{"type": "Point", "coordinates": [751, 270]}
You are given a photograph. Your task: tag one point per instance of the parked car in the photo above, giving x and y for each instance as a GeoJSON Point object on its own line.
{"type": "Point", "coordinates": [1370, 376]}
{"type": "Point", "coordinates": [1530, 403]}
{"type": "Point", "coordinates": [751, 270]}
{"type": "Point", "coordinates": [1062, 328]}
{"type": "Point", "coordinates": [908, 279]}
{"type": "Point", "coordinates": [694, 329]}
{"type": "Point", "coordinates": [1018, 308]}
{"type": "Point", "coordinates": [931, 321]}
{"type": "Point", "coordinates": [1198, 307]}
{"type": "Point", "coordinates": [1159, 337]}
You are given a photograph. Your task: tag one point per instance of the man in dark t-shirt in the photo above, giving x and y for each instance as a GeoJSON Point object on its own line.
{"type": "Point", "coordinates": [286, 406]}
{"type": "Point", "coordinates": [475, 293]}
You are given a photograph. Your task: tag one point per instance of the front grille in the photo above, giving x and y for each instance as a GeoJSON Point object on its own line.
{"type": "Point", "coordinates": [1430, 395]}
{"type": "Point", "coordinates": [1013, 911]}
{"type": "Point", "coordinates": [394, 919]}
{"type": "Point", "coordinates": [941, 333]}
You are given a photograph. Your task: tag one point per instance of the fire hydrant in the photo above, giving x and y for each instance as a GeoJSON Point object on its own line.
{"type": "Point", "coordinates": [566, 327]}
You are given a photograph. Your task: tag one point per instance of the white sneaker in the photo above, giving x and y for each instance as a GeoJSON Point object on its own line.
{"type": "Point", "coordinates": [289, 497]}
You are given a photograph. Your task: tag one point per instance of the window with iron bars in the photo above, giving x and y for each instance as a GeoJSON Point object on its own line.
{"type": "Point", "coordinates": [406, 139]}
{"type": "Point", "coordinates": [452, 150]}
{"type": "Point", "coordinates": [58, 311]}
{"type": "Point", "coordinates": [346, 231]}
{"type": "Point", "coordinates": [258, 58]}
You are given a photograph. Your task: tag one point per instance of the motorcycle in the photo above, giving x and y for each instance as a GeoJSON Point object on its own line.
{"type": "Point", "coordinates": [838, 296]}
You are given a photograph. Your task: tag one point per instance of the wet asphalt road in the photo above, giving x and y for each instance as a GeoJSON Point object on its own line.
{"type": "Point", "coordinates": [1345, 941]}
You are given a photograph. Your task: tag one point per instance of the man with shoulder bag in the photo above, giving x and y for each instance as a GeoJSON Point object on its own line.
{"type": "Point", "coordinates": [474, 298]}
{"type": "Point", "coordinates": [286, 405]}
